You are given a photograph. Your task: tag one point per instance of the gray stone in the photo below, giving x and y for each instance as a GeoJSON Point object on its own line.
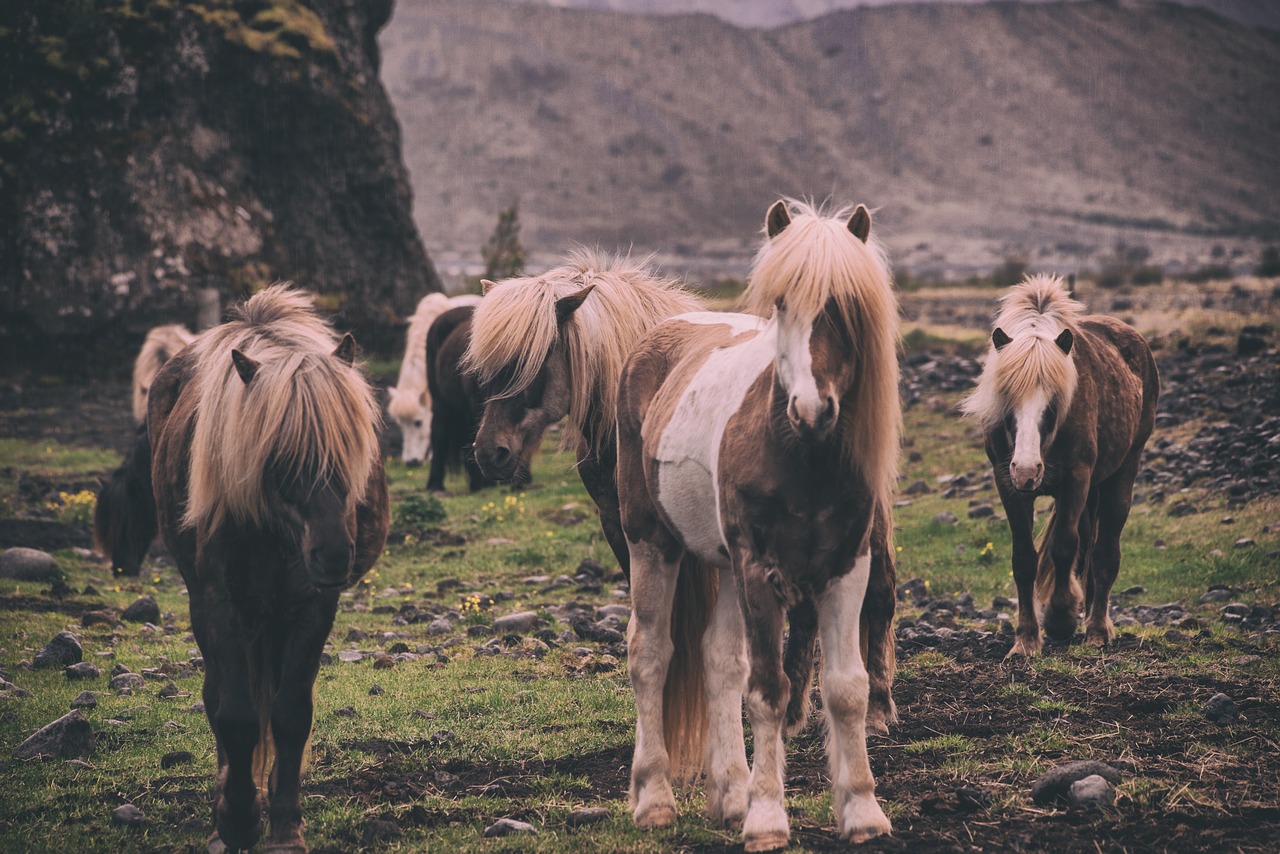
{"type": "Point", "coordinates": [508, 826]}
{"type": "Point", "coordinates": [127, 815]}
{"type": "Point", "coordinates": [25, 564]}
{"type": "Point", "coordinates": [517, 623]}
{"type": "Point", "coordinates": [946, 517]}
{"type": "Point", "coordinates": [622, 612]}
{"type": "Point", "coordinates": [145, 610]}
{"type": "Point", "coordinates": [1091, 791]}
{"type": "Point", "coordinates": [1055, 783]}
{"type": "Point", "coordinates": [83, 670]}
{"type": "Point", "coordinates": [439, 626]}
{"type": "Point", "coordinates": [587, 815]}
{"type": "Point", "coordinates": [85, 700]}
{"type": "Point", "coordinates": [62, 650]}
{"type": "Point", "coordinates": [132, 681]}
{"type": "Point", "coordinates": [69, 735]}
{"type": "Point", "coordinates": [981, 511]}
{"type": "Point", "coordinates": [1221, 709]}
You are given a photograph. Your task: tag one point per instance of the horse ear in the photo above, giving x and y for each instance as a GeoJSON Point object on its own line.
{"type": "Point", "coordinates": [860, 223]}
{"type": "Point", "coordinates": [487, 285]}
{"type": "Point", "coordinates": [566, 306]}
{"type": "Point", "coordinates": [777, 218]}
{"type": "Point", "coordinates": [1064, 341]}
{"type": "Point", "coordinates": [247, 368]}
{"type": "Point", "coordinates": [999, 338]}
{"type": "Point", "coordinates": [346, 351]}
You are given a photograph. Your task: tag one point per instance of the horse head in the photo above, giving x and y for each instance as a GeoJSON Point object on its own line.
{"type": "Point", "coordinates": [1032, 419]}
{"type": "Point", "coordinates": [408, 409]}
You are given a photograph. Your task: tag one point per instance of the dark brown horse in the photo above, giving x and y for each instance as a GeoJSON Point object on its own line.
{"type": "Point", "coordinates": [758, 455]}
{"type": "Point", "coordinates": [456, 402]}
{"type": "Point", "coordinates": [1066, 404]}
{"type": "Point", "coordinates": [272, 499]}
{"type": "Point", "coordinates": [552, 345]}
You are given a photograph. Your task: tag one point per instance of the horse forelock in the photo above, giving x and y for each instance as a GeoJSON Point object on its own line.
{"type": "Point", "coordinates": [404, 404]}
{"type": "Point", "coordinates": [515, 328]}
{"type": "Point", "coordinates": [304, 415]}
{"type": "Point", "coordinates": [1033, 314]}
{"type": "Point", "coordinates": [162, 344]}
{"type": "Point", "coordinates": [816, 259]}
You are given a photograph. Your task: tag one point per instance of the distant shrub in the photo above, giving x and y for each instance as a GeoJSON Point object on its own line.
{"type": "Point", "coordinates": [1210, 273]}
{"type": "Point", "coordinates": [503, 255]}
{"type": "Point", "coordinates": [1268, 263]}
{"type": "Point", "coordinates": [1010, 271]}
{"type": "Point", "coordinates": [1148, 274]}
{"type": "Point", "coordinates": [416, 512]}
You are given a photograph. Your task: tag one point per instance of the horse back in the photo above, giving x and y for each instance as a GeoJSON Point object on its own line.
{"type": "Point", "coordinates": [442, 367]}
{"type": "Point", "coordinates": [1119, 388]}
{"type": "Point", "coordinates": [170, 418]}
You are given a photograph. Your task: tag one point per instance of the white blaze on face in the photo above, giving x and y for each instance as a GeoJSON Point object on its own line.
{"type": "Point", "coordinates": [1026, 468]}
{"type": "Point", "coordinates": [795, 369]}
{"type": "Point", "coordinates": [417, 437]}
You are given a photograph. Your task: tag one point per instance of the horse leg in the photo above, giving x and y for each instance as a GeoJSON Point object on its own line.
{"type": "Point", "coordinates": [441, 450]}
{"type": "Point", "coordinates": [724, 652]}
{"type": "Point", "coordinates": [1063, 607]}
{"type": "Point", "coordinates": [237, 809]}
{"type": "Point", "coordinates": [1020, 511]}
{"type": "Point", "coordinates": [291, 718]}
{"type": "Point", "coordinates": [1114, 499]}
{"type": "Point", "coordinates": [649, 650]}
{"type": "Point", "coordinates": [878, 607]}
{"type": "Point", "coordinates": [768, 691]}
{"type": "Point", "coordinates": [845, 692]}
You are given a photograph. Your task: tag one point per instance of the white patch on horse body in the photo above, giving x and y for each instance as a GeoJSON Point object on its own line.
{"type": "Point", "coordinates": [1027, 461]}
{"type": "Point", "coordinates": [688, 453]}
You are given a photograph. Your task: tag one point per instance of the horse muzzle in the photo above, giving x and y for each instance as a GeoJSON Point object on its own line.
{"type": "Point", "coordinates": [329, 568]}
{"type": "Point", "coordinates": [813, 423]}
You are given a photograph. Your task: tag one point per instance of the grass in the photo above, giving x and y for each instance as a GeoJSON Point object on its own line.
{"type": "Point", "coordinates": [570, 715]}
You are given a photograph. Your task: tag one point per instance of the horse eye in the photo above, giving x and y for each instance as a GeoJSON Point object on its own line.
{"type": "Point", "coordinates": [1010, 424]}
{"type": "Point", "coordinates": [417, 423]}
{"type": "Point", "coordinates": [780, 304]}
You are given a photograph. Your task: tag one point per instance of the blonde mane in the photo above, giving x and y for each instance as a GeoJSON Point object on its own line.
{"type": "Point", "coordinates": [161, 345]}
{"type": "Point", "coordinates": [1033, 314]}
{"type": "Point", "coordinates": [304, 413]}
{"type": "Point", "coordinates": [515, 327]}
{"type": "Point", "coordinates": [815, 259]}
{"type": "Point", "coordinates": [409, 395]}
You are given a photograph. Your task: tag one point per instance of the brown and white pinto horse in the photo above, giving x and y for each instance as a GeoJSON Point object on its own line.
{"type": "Point", "coordinates": [764, 450]}
{"type": "Point", "coordinates": [272, 499]}
{"type": "Point", "coordinates": [1066, 405]}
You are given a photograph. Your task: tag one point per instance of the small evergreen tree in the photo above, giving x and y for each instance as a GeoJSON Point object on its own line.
{"type": "Point", "coordinates": [1269, 263]}
{"type": "Point", "coordinates": [503, 255]}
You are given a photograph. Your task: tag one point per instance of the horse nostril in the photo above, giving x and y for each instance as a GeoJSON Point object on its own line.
{"type": "Point", "coordinates": [828, 412]}
{"type": "Point", "coordinates": [501, 456]}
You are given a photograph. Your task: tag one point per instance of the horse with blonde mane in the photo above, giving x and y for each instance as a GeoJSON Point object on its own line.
{"type": "Point", "coordinates": [761, 455]}
{"type": "Point", "coordinates": [409, 400]}
{"type": "Point", "coordinates": [263, 439]}
{"type": "Point", "coordinates": [1066, 403]}
{"type": "Point", "coordinates": [161, 344]}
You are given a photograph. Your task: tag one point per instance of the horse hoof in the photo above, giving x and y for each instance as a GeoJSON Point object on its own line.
{"type": "Point", "coordinates": [766, 841]}
{"type": "Point", "coordinates": [290, 843]}
{"type": "Point", "coordinates": [877, 721]}
{"type": "Point", "coordinates": [1023, 648]}
{"type": "Point", "coordinates": [215, 845]}
{"type": "Point", "coordinates": [658, 815]}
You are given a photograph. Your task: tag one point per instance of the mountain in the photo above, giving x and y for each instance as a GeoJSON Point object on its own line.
{"type": "Point", "coordinates": [1049, 131]}
{"type": "Point", "coordinates": [154, 155]}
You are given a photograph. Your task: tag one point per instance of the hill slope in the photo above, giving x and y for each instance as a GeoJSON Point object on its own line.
{"type": "Point", "coordinates": [979, 131]}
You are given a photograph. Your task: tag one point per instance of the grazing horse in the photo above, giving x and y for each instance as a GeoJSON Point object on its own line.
{"type": "Point", "coordinates": [409, 400]}
{"type": "Point", "coordinates": [118, 532]}
{"type": "Point", "coordinates": [757, 453]}
{"type": "Point", "coordinates": [1066, 404]}
{"type": "Point", "coordinates": [456, 401]}
{"type": "Point", "coordinates": [272, 499]}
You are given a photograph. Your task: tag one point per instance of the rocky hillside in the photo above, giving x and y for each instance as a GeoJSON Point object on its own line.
{"type": "Point", "coordinates": [151, 151]}
{"type": "Point", "coordinates": [1050, 131]}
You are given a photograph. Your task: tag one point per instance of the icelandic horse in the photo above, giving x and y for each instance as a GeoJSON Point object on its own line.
{"type": "Point", "coordinates": [271, 497]}
{"type": "Point", "coordinates": [759, 454]}
{"type": "Point", "coordinates": [1066, 404]}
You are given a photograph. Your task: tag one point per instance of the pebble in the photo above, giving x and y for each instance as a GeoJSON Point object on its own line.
{"type": "Point", "coordinates": [69, 735]}
{"type": "Point", "coordinates": [508, 826]}
{"type": "Point", "coordinates": [131, 681]}
{"type": "Point", "coordinates": [1055, 783]}
{"type": "Point", "coordinates": [946, 517]}
{"type": "Point", "coordinates": [439, 626]}
{"type": "Point", "coordinates": [1091, 791]}
{"type": "Point", "coordinates": [1221, 710]}
{"type": "Point", "coordinates": [981, 511]}
{"type": "Point", "coordinates": [517, 623]}
{"type": "Point", "coordinates": [83, 670]}
{"type": "Point", "coordinates": [23, 564]}
{"type": "Point", "coordinates": [85, 700]}
{"type": "Point", "coordinates": [127, 815]}
{"type": "Point", "coordinates": [586, 815]}
{"type": "Point", "coordinates": [145, 610]}
{"type": "Point", "coordinates": [62, 650]}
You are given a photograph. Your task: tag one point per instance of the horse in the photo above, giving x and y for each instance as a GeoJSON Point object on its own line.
{"type": "Point", "coordinates": [409, 400]}
{"type": "Point", "coordinates": [161, 344]}
{"type": "Point", "coordinates": [547, 346]}
{"type": "Point", "coordinates": [758, 453]}
{"type": "Point", "coordinates": [1066, 403]}
{"type": "Point", "coordinates": [272, 499]}
{"type": "Point", "coordinates": [123, 536]}
{"type": "Point", "coordinates": [456, 402]}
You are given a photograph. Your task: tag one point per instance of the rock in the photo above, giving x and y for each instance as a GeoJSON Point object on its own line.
{"type": "Point", "coordinates": [1055, 783]}
{"type": "Point", "coordinates": [63, 649]}
{"type": "Point", "coordinates": [946, 517]}
{"type": "Point", "coordinates": [622, 612]}
{"type": "Point", "coordinates": [1216, 594]}
{"type": "Point", "coordinates": [23, 564]}
{"type": "Point", "coordinates": [176, 757]}
{"type": "Point", "coordinates": [1245, 543]}
{"type": "Point", "coordinates": [145, 610]}
{"type": "Point", "coordinates": [1091, 791]}
{"type": "Point", "coordinates": [347, 712]}
{"type": "Point", "coordinates": [918, 487]}
{"type": "Point", "coordinates": [981, 511]}
{"type": "Point", "coordinates": [439, 626]}
{"type": "Point", "coordinates": [586, 815]}
{"type": "Point", "coordinates": [1182, 508]}
{"type": "Point", "coordinates": [351, 656]}
{"type": "Point", "coordinates": [1221, 709]}
{"type": "Point", "coordinates": [69, 735]}
{"type": "Point", "coordinates": [98, 618]}
{"type": "Point", "coordinates": [132, 681]}
{"type": "Point", "coordinates": [517, 623]}
{"type": "Point", "coordinates": [85, 700]}
{"type": "Point", "coordinates": [127, 815]}
{"type": "Point", "coordinates": [508, 826]}
{"type": "Point", "coordinates": [380, 830]}
{"type": "Point", "coordinates": [1135, 590]}
{"type": "Point", "coordinates": [375, 690]}
{"type": "Point", "coordinates": [83, 670]}
{"type": "Point", "coordinates": [168, 691]}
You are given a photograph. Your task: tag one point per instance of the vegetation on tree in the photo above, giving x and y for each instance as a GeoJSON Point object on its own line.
{"type": "Point", "coordinates": [503, 255]}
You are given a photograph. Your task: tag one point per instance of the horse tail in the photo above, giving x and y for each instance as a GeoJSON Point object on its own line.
{"type": "Point", "coordinates": [124, 519]}
{"type": "Point", "coordinates": [262, 693]}
{"type": "Point", "coordinates": [684, 704]}
{"type": "Point", "coordinates": [797, 662]}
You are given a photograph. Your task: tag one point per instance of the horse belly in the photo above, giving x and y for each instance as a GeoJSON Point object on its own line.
{"type": "Point", "coordinates": [688, 454]}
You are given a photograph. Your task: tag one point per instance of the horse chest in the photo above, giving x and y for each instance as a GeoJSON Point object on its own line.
{"type": "Point", "coordinates": [690, 449]}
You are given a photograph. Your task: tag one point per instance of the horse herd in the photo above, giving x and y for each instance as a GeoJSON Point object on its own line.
{"type": "Point", "coordinates": [743, 466]}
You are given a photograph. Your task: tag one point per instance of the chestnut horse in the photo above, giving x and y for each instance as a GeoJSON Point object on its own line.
{"type": "Point", "coordinates": [409, 400]}
{"type": "Point", "coordinates": [272, 499]}
{"type": "Point", "coordinates": [764, 450]}
{"type": "Point", "coordinates": [1066, 404]}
